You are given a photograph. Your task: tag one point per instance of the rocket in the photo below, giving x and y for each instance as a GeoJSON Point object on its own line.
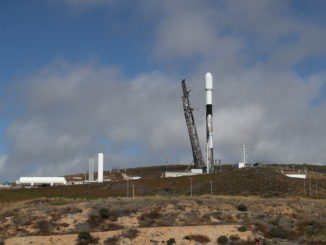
{"type": "Point", "coordinates": [209, 121]}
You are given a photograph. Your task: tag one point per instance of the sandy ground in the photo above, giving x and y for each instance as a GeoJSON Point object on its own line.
{"type": "Point", "coordinates": [157, 235]}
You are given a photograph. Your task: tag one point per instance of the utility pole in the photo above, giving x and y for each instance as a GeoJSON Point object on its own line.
{"type": "Point", "coordinates": [127, 188]}
{"type": "Point", "coordinates": [191, 186]}
{"type": "Point", "coordinates": [310, 186]}
{"type": "Point", "coordinates": [304, 186]}
{"type": "Point", "coordinates": [211, 187]}
{"type": "Point", "coordinates": [316, 187]}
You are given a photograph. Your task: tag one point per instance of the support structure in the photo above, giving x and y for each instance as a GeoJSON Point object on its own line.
{"type": "Point", "coordinates": [244, 154]}
{"type": "Point", "coordinates": [90, 170]}
{"type": "Point", "coordinates": [209, 122]}
{"type": "Point", "coordinates": [195, 146]}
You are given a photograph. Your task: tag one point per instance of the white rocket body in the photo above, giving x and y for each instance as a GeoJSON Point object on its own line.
{"type": "Point", "coordinates": [209, 121]}
{"type": "Point", "coordinates": [100, 167]}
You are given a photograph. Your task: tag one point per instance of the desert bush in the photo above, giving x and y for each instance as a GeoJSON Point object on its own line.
{"type": "Point", "coordinates": [63, 224]}
{"type": "Point", "coordinates": [228, 218]}
{"type": "Point", "coordinates": [112, 240]}
{"type": "Point", "coordinates": [84, 235]}
{"type": "Point", "coordinates": [275, 222]}
{"type": "Point", "coordinates": [112, 214]}
{"type": "Point", "coordinates": [313, 228]}
{"type": "Point", "coordinates": [131, 233]}
{"type": "Point", "coordinates": [216, 215]}
{"type": "Point", "coordinates": [242, 228]}
{"type": "Point", "coordinates": [171, 241]}
{"type": "Point", "coordinates": [222, 239]}
{"type": "Point", "coordinates": [260, 227]}
{"type": "Point", "coordinates": [110, 227]}
{"type": "Point", "coordinates": [167, 219]}
{"type": "Point", "coordinates": [94, 221]}
{"type": "Point", "coordinates": [198, 238]}
{"type": "Point", "coordinates": [181, 207]}
{"type": "Point", "coordinates": [242, 207]}
{"type": "Point", "coordinates": [104, 213]}
{"type": "Point", "coordinates": [22, 219]}
{"type": "Point", "coordinates": [99, 224]}
{"type": "Point", "coordinates": [82, 227]}
{"type": "Point", "coordinates": [278, 232]}
{"type": "Point", "coordinates": [149, 218]}
{"type": "Point", "coordinates": [260, 216]}
{"type": "Point", "coordinates": [45, 226]}
{"type": "Point", "coordinates": [9, 213]}
{"type": "Point", "coordinates": [234, 238]}
{"type": "Point", "coordinates": [85, 238]}
{"type": "Point", "coordinates": [242, 216]}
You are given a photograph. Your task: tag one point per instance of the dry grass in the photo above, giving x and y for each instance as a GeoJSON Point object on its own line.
{"type": "Point", "coordinates": [290, 219]}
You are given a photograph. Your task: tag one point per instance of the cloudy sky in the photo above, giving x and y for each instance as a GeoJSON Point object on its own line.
{"type": "Point", "coordinates": [85, 76]}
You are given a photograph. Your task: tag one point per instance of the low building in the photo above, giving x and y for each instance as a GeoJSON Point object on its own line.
{"type": "Point", "coordinates": [180, 174]}
{"type": "Point", "coordinates": [32, 181]}
{"type": "Point", "coordinates": [299, 176]}
{"type": "Point", "coordinates": [5, 186]}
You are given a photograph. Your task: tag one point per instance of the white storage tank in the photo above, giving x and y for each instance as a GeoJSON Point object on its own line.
{"type": "Point", "coordinates": [100, 161]}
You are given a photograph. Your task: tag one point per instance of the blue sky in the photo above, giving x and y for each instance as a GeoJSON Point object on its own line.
{"type": "Point", "coordinates": [35, 33]}
{"type": "Point", "coordinates": [82, 76]}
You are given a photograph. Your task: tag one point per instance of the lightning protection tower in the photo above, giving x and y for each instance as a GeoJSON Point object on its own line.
{"type": "Point", "coordinates": [90, 169]}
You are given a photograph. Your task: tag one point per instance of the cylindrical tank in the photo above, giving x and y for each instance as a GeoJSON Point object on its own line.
{"type": "Point", "coordinates": [100, 167]}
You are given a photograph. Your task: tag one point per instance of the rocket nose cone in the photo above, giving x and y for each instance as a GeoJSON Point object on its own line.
{"type": "Point", "coordinates": [208, 81]}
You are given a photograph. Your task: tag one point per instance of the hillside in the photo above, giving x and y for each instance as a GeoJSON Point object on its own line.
{"type": "Point", "coordinates": [251, 181]}
{"type": "Point", "coordinates": [158, 220]}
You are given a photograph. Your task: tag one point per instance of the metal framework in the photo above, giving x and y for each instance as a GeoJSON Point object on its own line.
{"type": "Point", "coordinates": [196, 150]}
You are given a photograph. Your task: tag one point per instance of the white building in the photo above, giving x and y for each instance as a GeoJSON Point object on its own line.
{"type": "Point", "coordinates": [41, 181]}
{"type": "Point", "coordinates": [180, 174]}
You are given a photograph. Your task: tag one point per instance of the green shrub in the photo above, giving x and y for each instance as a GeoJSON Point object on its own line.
{"type": "Point", "coordinates": [84, 236]}
{"type": "Point", "coordinates": [104, 213]}
{"type": "Point", "coordinates": [131, 233]}
{"type": "Point", "coordinates": [112, 240]}
{"type": "Point", "coordinates": [202, 239]}
{"type": "Point", "coordinates": [278, 232]}
{"type": "Point", "coordinates": [242, 207]}
{"type": "Point", "coordinates": [242, 228]}
{"type": "Point", "coordinates": [45, 226]}
{"type": "Point", "coordinates": [171, 241]}
{"type": "Point", "coordinates": [222, 240]}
